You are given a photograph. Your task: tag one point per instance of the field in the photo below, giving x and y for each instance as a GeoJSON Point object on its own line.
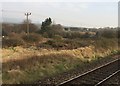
{"type": "Point", "coordinates": [26, 65]}
{"type": "Point", "coordinates": [47, 52]}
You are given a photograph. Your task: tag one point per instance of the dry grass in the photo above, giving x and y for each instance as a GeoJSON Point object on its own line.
{"type": "Point", "coordinates": [26, 65]}
{"type": "Point", "coordinates": [33, 68]}
{"type": "Point", "coordinates": [18, 53]}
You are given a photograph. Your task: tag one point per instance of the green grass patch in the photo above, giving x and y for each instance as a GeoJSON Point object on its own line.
{"type": "Point", "coordinates": [35, 68]}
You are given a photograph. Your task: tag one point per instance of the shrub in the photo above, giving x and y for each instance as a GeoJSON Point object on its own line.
{"type": "Point", "coordinates": [109, 33]}
{"type": "Point", "coordinates": [46, 46]}
{"type": "Point", "coordinates": [86, 35]}
{"type": "Point", "coordinates": [55, 43]}
{"type": "Point", "coordinates": [73, 44]}
{"type": "Point", "coordinates": [32, 38]}
{"type": "Point", "coordinates": [106, 43]}
{"type": "Point", "coordinates": [72, 35]}
{"type": "Point", "coordinates": [57, 37]}
{"type": "Point", "coordinates": [12, 42]}
{"type": "Point", "coordinates": [64, 44]}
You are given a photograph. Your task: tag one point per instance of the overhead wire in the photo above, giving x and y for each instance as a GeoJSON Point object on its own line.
{"type": "Point", "coordinates": [37, 15]}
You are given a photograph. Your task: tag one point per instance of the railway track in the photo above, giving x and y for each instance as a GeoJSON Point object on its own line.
{"type": "Point", "coordinates": [113, 80]}
{"type": "Point", "coordinates": [96, 77]}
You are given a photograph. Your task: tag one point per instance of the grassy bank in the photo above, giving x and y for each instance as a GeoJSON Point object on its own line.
{"type": "Point", "coordinates": [34, 68]}
{"type": "Point", "coordinates": [26, 65]}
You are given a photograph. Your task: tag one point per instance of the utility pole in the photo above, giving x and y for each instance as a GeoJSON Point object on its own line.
{"type": "Point", "coordinates": [27, 14]}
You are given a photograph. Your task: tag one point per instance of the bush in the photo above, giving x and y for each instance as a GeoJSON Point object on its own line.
{"type": "Point", "coordinates": [73, 44]}
{"type": "Point", "coordinates": [12, 42]}
{"type": "Point", "coordinates": [106, 43]}
{"type": "Point", "coordinates": [72, 35]}
{"type": "Point", "coordinates": [86, 35]}
{"type": "Point", "coordinates": [109, 34]}
{"type": "Point", "coordinates": [55, 43]}
{"type": "Point", "coordinates": [57, 37]}
{"type": "Point", "coordinates": [32, 38]}
{"type": "Point", "coordinates": [64, 44]}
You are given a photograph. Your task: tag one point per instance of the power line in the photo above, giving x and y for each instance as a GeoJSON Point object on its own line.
{"type": "Point", "coordinates": [13, 11]}
{"type": "Point", "coordinates": [37, 14]}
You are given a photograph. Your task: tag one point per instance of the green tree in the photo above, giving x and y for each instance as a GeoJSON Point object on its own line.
{"type": "Point", "coordinates": [46, 24]}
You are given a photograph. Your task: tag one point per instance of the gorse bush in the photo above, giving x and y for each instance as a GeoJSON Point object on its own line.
{"type": "Point", "coordinates": [14, 39]}
{"type": "Point", "coordinates": [32, 38]}
{"type": "Point", "coordinates": [8, 42]}
{"type": "Point", "coordinates": [108, 33]}
{"type": "Point", "coordinates": [72, 35]}
{"type": "Point", "coordinates": [75, 35]}
{"type": "Point", "coordinates": [54, 44]}
{"type": "Point", "coordinates": [57, 37]}
{"type": "Point", "coordinates": [63, 44]}
{"type": "Point", "coordinates": [105, 43]}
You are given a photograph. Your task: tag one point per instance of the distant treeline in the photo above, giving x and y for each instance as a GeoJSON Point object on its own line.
{"type": "Point", "coordinates": [66, 32]}
{"type": "Point", "coordinates": [49, 30]}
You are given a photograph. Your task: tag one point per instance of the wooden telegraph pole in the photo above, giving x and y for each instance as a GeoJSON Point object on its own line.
{"type": "Point", "coordinates": [27, 14]}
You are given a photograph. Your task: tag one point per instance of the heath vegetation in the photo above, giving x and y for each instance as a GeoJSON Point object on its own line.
{"type": "Point", "coordinates": [51, 50]}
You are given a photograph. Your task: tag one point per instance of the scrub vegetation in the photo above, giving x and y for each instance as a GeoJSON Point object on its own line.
{"type": "Point", "coordinates": [51, 50]}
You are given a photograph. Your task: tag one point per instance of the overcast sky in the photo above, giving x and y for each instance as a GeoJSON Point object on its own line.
{"type": "Point", "coordinates": [81, 14]}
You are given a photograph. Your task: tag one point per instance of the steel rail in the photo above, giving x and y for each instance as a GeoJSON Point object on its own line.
{"type": "Point", "coordinates": [95, 69]}
{"type": "Point", "coordinates": [99, 83]}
